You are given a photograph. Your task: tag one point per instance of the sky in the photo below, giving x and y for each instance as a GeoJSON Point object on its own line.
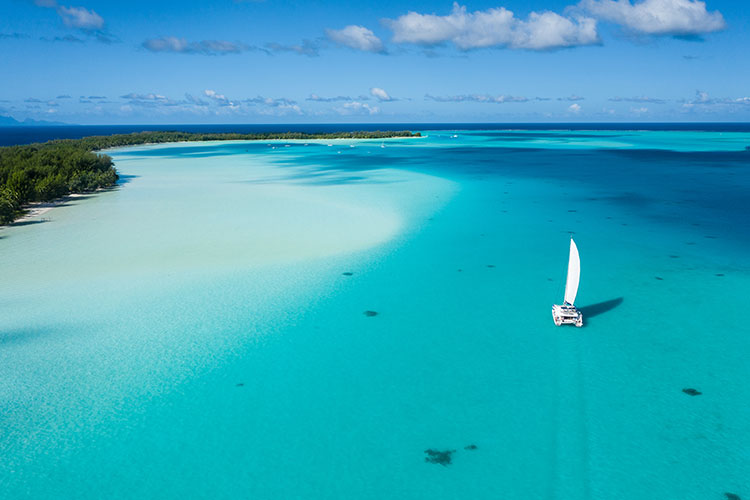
{"type": "Point", "coordinates": [273, 61]}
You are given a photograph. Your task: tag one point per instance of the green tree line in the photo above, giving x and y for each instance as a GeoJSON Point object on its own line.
{"type": "Point", "coordinates": [46, 171]}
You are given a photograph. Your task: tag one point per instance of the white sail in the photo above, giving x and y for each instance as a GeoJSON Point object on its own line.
{"type": "Point", "coordinates": [574, 274]}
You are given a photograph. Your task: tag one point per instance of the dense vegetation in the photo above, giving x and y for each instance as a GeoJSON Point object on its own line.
{"type": "Point", "coordinates": [44, 172]}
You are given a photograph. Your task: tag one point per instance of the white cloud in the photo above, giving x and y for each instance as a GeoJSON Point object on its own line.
{"type": "Point", "coordinates": [206, 47]}
{"type": "Point", "coordinates": [485, 98]}
{"type": "Point", "coordinates": [308, 48]}
{"type": "Point", "coordinates": [357, 108]}
{"type": "Point", "coordinates": [317, 98]}
{"type": "Point", "coordinates": [574, 108]}
{"type": "Point", "coordinates": [639, 111]}
{"type": "Point", "coordinates": [703, 99]}
{"type": "Point", "coordinates": [220, 99]}
{"type": "Point", "coordinates": [80, 17]}
{"type": "Point", "coordinates": [356, 37]}
{"type": "Point", "coordinates": [571, 98]}
{"type": "Point", "coordinates": [653, 100]}
{"type": "Point", "coordinates": [496, 27]}
{"type": "Point", "coordinates": [164, 105]}
{"type": "Point", "coordinates": [144, 97]}
{"type": "Point", "coordinates": [150, 100]}
{"type": "Point", "coordinates": [380, 94]}
{"type": "Point", "coordinates": [195, 100]}
{"type": "Point", "coordinates": [281, 103]}
{"type": "Point", "coordinates": [281, 109]}
{"type": "Point", "coordinates": [658, 17]}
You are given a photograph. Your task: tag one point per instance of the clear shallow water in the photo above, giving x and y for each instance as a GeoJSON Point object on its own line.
{"type": "Point", "coordinates": [25, 134]}
{"type": "Point", "coordinates": [130, 318]}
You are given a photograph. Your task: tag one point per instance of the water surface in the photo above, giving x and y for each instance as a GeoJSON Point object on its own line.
{"type": "Point", "coordinates": [193, 333]}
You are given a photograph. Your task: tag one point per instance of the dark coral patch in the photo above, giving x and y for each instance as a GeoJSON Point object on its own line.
{"type": "Point", "coordinates": [490, 265]}
{"type": "Point", "coordinates": [438, 457]}
{"type": "Point", "coordinates": [347, 273]}
{"type": "Point", "coordinates": [370, 314]}
{"type": "Point", "coordinates": [692, 392]}
{"type": "Point", "coordinates": [719, 274]}
{"type": "Point", "coordinates": [471, 447]}
{"type": "Point", "coordinates": [240, 384]}
{"type": "Point", "coordinates": [732, 496]}
{"type": "Point", "coordinates": [659, 278]}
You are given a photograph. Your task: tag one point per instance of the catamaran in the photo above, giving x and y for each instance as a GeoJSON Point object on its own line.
{"type": "Point", "coordinates": [567, 314]}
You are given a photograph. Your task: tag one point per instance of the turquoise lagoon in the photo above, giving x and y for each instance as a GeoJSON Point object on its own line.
{"type": "Point", "coordinates": [192, 333]}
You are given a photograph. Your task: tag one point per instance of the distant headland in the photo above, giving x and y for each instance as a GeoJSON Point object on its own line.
{"type": "Point", "coordinates": [42, 172]}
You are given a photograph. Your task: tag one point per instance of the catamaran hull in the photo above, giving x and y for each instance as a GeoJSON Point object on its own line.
{"type": "Point", "coordinates": [567, 315]}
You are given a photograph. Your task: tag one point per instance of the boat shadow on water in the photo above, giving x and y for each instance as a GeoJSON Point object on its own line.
{"type": "Point", "coordinates": [593, 310]}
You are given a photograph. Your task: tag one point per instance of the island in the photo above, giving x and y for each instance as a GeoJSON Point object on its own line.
{"type": "Point", "coordinates": [43, 172]}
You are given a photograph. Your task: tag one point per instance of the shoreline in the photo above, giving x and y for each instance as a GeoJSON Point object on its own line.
{"type": "Point", "coordinates": [223, 141]}
{"type": "Point", "coordinates": [40, 177]}
{"type": "Point", "coordinates": [35, 210]}
{"type": "Point", "coordinates": [39, 208]}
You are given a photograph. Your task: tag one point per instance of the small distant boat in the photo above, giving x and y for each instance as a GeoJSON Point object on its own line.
{"type": "Point", "coordinates": [382, 145]}
{"type": "Point", "coordinates": [454, 136]}
{"type": "Point", "coordinates": [567, 314]}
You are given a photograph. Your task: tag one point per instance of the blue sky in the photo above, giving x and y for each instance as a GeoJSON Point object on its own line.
{"type": "Point", "coordinates": [272, 61]}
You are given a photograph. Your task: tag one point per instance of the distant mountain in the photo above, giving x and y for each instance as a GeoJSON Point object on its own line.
{"type": "Point", "coordinates": [9, 121]}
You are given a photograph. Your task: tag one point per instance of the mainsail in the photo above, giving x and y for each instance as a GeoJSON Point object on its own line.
{"type": "Point", "coordinates": [574, 274]}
